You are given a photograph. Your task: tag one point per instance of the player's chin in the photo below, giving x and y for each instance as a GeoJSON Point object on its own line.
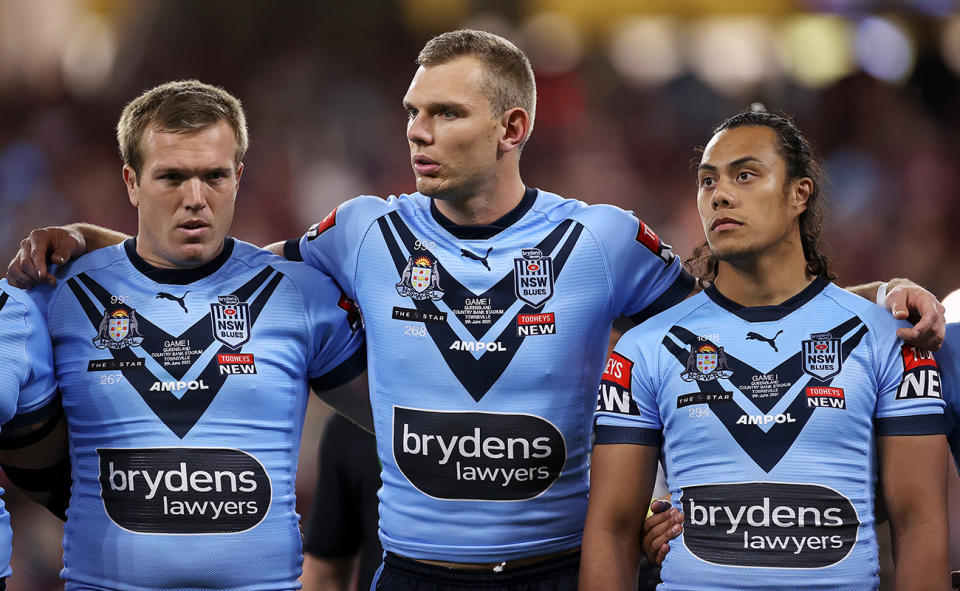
{"type": "Point", "coordinates": [194, 254]}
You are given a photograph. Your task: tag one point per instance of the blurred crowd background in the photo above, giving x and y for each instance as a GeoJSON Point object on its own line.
{"type": "Point", "coordinates": [628, 89]}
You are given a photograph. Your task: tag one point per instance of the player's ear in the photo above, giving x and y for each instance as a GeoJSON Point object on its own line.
{"type": "Point", "coordinates": [516, 124]}
{"type": "Point", "coordinates": [800, 195]}
{"type": "Point", "coordinates": [130, 180]}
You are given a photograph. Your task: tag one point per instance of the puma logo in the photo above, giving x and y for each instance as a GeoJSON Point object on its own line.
{"type": "Point", "coordinates": [752, 336]}
{"type": "Point", "coordinates": [166, 296]}
{"type": "Point", "coordinates": [483, 259]}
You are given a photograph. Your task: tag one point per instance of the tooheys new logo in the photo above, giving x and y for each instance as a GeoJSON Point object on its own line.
{"type": "Point", "coordinates": [477, 455]}
{"type": "Point", "coordinates": [183, 490]}
{"type": "Point", "coordinates": [773, 525]}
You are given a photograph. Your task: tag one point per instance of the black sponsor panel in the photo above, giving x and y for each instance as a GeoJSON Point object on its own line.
{"type": "Point", "coordinates": [477, 455]}
{"type": "Point", "coordinates": [766, 524]}
{"type": "Point", "coordinates": [183, 490]}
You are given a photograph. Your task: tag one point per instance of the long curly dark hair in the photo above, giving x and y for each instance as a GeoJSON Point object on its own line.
{"type": "Point", "coordinates": [796, 153]}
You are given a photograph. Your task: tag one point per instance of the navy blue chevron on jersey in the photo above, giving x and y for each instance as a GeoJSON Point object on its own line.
{"type": "Point", "coordinates": [483, 365]}
{"type": "Point", "coordinates": [769, 452]}
{"type": "Point", "coordinates": [27, 384]}
{"type": "Point", "coordinates": [185, 412]}
{"type": "Point", "coordinates": [948, 360]}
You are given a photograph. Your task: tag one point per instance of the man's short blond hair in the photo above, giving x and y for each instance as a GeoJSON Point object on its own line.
{"type": "Point", "coordinates": [178, 107]}
{"type": "Point", "coordinates": [508, 76]}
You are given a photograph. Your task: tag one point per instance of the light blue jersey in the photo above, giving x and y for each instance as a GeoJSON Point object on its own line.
{"type": "Point", "coordinates": [27, 384]}
{"type": "Point", "coordinates": [485, 346]}
{"type": "Point", "coordinates": [185, 393]}
{"type": "Point", "coordinates": [769, 417]}
{"type": "Point", "coordinates": [948, 359]}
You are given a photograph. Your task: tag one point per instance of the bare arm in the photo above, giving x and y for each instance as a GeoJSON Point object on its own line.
{"type": "Point", "coordinates": [326, 574]}
{"type": "Point", "coordinates": [908, 301]}
{"type": "Point", "coordinates": [352, 400]}
{"type": "Point", "coordinates": [913, 474]}
{"type": "Point", "coordinates": [275, 248]}
{"type": "Point", "coordinates": [57, 245]}
{"type": "Point", "coordinates": [621, 480]}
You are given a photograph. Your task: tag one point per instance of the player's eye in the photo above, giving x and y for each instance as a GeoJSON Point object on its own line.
{"type": "Point", "coordinates": [707, 182]}
{"type": "Point", "coordinates": [744, 176]}
{"type": "Point", "coordinates": [411, 113]}
{"type": "Point", "coordinates": [448, 114]}
{"type": "Point", "coordinates": [173, 177]}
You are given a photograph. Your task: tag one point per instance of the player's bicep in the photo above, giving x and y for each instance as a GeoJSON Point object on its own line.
{"type": "Point", "coordinates": [622, 477]}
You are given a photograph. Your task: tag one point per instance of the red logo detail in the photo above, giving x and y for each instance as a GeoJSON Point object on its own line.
{"type": "Point", "coordinates": [354, 318]}
{"type": "Point", "coordinates": [618, 370]}
{"type": "Point", "coordinates": [647, 237]}
{"type": "Point", "coordinates": [533, 267]}
{"type": "Point", "coordinates": [545, 318]}
{"type": "Point", "coordinates": [229, 311]}
{"type": "Point", "coordinates": [235, 358]}
{"type": "Point", "coordinates": [818, 391]}
{"type": "Point", "coordinates": [914, 358]}
{"type": "Point", "coordinates": [325, 224]}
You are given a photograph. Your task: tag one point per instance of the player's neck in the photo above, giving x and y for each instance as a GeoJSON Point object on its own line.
{"type": "Point", "coordinates": [485, 206]}
{"type": "Point", "coordinates": [766, 280]}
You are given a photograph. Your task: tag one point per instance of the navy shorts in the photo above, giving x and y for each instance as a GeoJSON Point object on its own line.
{"type": "Point", "coordinates": [553, 574]}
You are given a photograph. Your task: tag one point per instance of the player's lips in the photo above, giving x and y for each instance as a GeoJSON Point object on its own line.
{"type": "Point", "coordinates": [423, 165]}
{"type": "Point", "coordinates": [193, 227]}
{"type": "Point", "coordinates": [721, 224]}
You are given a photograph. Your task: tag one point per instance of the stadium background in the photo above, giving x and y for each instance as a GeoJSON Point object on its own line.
{"type": "Point", "coordinates": [627, 91]}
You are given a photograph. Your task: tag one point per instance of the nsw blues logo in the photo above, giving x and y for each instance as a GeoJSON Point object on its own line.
{"type": "Point", "coordinates": [821, 356]}
{"type": "Point", "coordinates": [706, 362]}
{"type": "Point", "coordinates": [420, 279]}
{"type": "Point", "coordinates": [118, 329]}
{"type": "Point", "coordinates": [533, 277]}
{"type": "Point", "coordinates": [231, 321]}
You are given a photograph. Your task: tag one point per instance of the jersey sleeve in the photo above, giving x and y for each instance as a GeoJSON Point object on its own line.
{"type": "Point", "coordinates": [332, 245]}
{"type": "Point", "coordinates": [335, 327]}
{"type": "Point", "coordinates": [948, 362]}
{"type": "Point", "coordinates": [646, 276]}
{"type": "Point", "coordinates": [627, 410]}
{"type": "Point", "coordinates": [26, 356]}
{"type": "Point", "coordinates": [910, 394]}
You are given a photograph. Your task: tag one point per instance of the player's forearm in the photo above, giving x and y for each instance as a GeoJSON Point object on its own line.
{"type": "Point", "coordinates": [610, 559]}
{"type": "Point", "coordinates": [96, 237]}
{"type": "Point", "coordinates": [921, 557]}
{"type": "Point", "coordinates": [275, 248]}
{"type": "Point", "coordinates": [868, 291]}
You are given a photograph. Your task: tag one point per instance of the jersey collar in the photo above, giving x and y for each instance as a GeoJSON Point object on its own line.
{"type": "Point", "coordinates": [177, 276]}
{"type": "Point", "coordinates": [768, 313]}
{"type": "Point", "coordinates": [487, 230]}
